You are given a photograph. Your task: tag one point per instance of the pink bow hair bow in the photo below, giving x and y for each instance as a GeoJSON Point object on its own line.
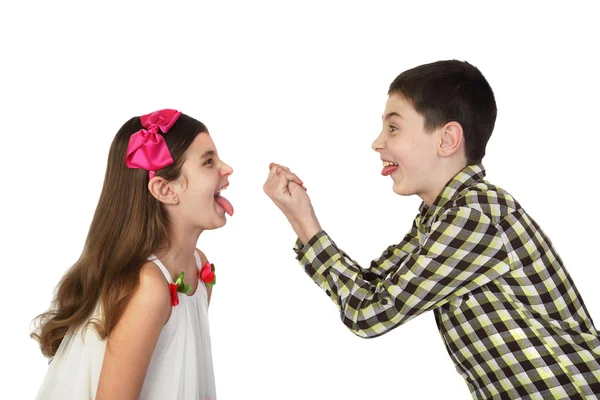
{"type": "Point", "coordinates": [147, 148]}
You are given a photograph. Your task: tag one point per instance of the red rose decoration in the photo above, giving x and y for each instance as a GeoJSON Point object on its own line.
{"type": "Point", "coordinates": [207, 274]}
{"type": "Point", "coordinates": [174, 296]}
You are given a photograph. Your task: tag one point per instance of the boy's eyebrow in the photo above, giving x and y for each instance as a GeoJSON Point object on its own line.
{"type": "Point", "coordinates": [390, 115]}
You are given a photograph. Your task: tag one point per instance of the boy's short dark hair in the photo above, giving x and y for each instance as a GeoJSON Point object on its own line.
{"type": "Point", "coordinates": [451, 90]}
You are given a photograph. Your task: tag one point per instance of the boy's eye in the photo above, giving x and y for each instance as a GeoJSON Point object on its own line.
{"type": "Point", "coordinates": [393, 128]}
{"type": "Point", "coordinates": [209, 161]}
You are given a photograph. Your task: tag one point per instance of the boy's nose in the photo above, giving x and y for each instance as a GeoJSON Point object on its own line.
{"type": "Point", "coordinates": [377, 144]}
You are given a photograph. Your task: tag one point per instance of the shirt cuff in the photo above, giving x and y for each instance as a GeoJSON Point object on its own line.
{"type": "Point", "coordinates": [301, 249]}
{"type": "Point", "coordinates": [319, 253]}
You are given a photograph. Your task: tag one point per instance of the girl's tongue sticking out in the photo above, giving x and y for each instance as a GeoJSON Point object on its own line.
{"type": "Point", "coordinates": [223, 202]}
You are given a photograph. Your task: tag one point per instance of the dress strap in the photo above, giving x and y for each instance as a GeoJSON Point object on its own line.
{"type": "Point", "coordinates": [162, 267]}
{"type": "Point", "coordinates": [198, 261]}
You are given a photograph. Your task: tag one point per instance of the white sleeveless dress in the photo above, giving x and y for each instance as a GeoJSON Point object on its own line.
{"type": "Point", "coordinates": [180, 369]}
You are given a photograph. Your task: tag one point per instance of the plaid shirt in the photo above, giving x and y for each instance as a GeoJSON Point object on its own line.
{"type": "Point", "coordinates": [508, 311]}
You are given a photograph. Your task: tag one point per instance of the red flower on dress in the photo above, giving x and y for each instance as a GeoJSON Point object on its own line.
{"type": "Point", "coordinates": [175, 288]}
{"type": "Point", "coordinates": [207, 274]}
{"type": "Point", "coordinates": [174, 295]}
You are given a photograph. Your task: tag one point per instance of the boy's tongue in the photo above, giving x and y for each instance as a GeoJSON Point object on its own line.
{"type": "Point", "coordinates": [388, 170]}
{"type": "Point", "coordinates": [223, 202]}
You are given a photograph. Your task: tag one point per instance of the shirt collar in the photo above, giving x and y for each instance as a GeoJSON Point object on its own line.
{"type": "Point", "coordinates": [465, 178]}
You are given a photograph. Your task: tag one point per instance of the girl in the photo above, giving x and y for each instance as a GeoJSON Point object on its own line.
{"type": "Point", "coordinates": [130, 317]}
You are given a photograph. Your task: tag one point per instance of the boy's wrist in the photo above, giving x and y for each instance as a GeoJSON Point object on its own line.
{"type": "Point", "coordinates": [306, 228]}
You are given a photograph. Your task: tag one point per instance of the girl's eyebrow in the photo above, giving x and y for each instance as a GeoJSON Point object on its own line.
{"type": "Point", "coordinates": [208, 153]}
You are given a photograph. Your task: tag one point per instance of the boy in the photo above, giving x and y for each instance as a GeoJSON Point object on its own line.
{"type": "Point", "coordinates": [509, 314]}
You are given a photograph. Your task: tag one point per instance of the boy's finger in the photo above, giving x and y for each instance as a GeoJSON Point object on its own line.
{"type": "Point", "coordinates": [276, 165]}
{"type": "Point", "coordinates": [293, 178]}
{"type": "Point", "coordinates": [282, 185]}
{"type": "Point", "coordinates": [289, 176]}
{"type": "Point", "coordinates": [292, 186]}
{"type": "Point", "coordinates": [272, 171]}
{"type": "Point", "coordinates": [279, 165]}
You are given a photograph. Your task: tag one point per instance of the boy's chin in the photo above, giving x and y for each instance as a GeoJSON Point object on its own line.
{"type": "Point", "coordinates": [402, 190]}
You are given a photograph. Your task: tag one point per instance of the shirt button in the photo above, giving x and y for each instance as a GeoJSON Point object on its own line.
{"type": "Point", "coordinates": [384, 301]}
{"type": "Point", "coordinates": [328, 293]}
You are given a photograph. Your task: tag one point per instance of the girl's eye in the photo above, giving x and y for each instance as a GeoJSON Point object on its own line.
{"type": "Point", "coordinates": [393, 128]}
{"type": "Point", "coordinates": [210, 161]}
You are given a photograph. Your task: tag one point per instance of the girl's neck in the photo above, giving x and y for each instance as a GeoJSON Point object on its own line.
{"type": "Point", "coordinates": [180, 255]}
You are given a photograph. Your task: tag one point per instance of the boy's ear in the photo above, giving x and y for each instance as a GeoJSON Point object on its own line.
{"type": "Point", "coordinates": [451, 139]}
{"type": "Point", "coordinates": [163, 190]}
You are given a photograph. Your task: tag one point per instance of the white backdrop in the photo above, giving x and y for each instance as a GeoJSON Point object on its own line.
{"type": "Point", "coordinates": [304, 85]}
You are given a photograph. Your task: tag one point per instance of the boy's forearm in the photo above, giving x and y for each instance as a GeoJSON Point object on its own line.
{"type": "Point", "coordinates": [335, 272]}
{"type": "Point", "coordinates": [306, 228]}
{"type": "Point", "coordinates": [412, 279]}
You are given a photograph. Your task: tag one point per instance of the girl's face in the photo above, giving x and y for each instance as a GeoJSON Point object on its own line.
{"type": "Point", "coordinates": [203, 176]}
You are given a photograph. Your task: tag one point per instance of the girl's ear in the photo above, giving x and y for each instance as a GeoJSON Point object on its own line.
{"type": "Point", "coordinates": [163, 190]}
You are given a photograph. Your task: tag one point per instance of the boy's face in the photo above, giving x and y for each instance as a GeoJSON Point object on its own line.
{"type": "Point", "coordinates": [404, 142]}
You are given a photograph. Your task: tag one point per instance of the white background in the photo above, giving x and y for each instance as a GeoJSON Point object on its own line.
{"type": "Point", "coordinates": [305, 85]}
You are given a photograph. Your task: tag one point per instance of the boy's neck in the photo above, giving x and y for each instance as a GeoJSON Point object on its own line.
{"type": "Point", "coordinates": [439, 180]}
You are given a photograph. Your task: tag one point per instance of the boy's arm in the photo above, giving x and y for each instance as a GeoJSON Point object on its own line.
{"type": "Point", "coordinates": [394, 255]}
{"type": "Point", "coordinates": [390, 257]}
{"type": "Point", "coordinates": [463, 251]}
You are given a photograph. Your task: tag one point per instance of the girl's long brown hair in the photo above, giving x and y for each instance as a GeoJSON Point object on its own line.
{"type": "Point", "coordinates": [128, 225]}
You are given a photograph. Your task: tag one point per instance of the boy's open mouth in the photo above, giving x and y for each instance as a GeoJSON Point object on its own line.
{"type": "Point", "coordinates": [388, 167]}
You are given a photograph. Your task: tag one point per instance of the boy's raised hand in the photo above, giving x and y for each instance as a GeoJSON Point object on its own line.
{"type": "Point", "coordinates": [288, 193]}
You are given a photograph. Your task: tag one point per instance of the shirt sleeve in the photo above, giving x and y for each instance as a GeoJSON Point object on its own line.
{"type": "Point", "coordinates": [463, 251]}
{"type": "Point", "coordinates": [393, 255]}
{"type": "Point", "coordinates": [390, 256]}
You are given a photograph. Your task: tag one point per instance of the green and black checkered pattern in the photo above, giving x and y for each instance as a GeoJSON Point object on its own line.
{"type": "Point", "coordinates": [508, 311]}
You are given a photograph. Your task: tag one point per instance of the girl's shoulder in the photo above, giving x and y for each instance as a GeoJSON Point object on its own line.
{"type": "Point", "coordinates": [152, 274]}
{"type": "Point", "coordinates": [153, 286]}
